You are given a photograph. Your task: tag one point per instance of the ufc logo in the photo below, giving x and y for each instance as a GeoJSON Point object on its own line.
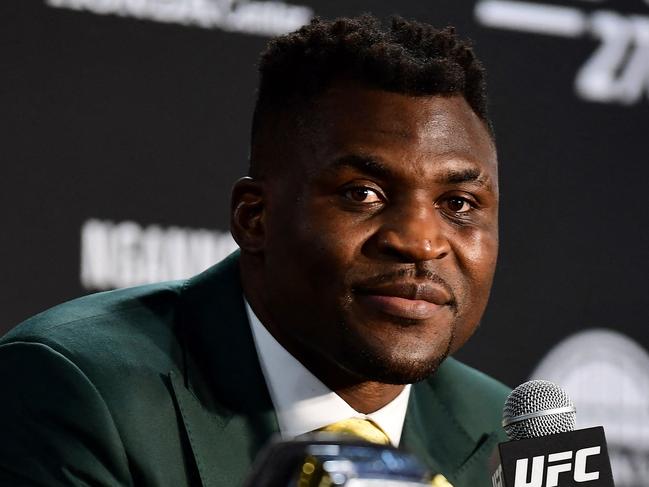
{"type": "Point", "coordinates": [557, 463]}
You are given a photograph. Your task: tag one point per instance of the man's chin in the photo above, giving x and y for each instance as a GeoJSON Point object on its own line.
{"type": "Point", "coordinates": [393, 351]}
{"type": "Point", "coordinates": [393, 368]}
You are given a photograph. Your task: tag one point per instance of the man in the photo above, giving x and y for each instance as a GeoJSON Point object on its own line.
{"type": "Point", "coordinates": [368, 237]}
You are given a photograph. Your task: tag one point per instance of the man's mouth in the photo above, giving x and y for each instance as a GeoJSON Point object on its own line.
{"type": "Point", "coordinates": [410, 300]}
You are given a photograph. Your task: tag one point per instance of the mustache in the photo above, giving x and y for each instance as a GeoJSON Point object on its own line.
{"type": "Point", "coordinates": [409, 273]}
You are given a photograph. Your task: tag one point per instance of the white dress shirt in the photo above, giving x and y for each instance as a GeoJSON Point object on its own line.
{"type": "Point", "coordinates": [302, 402]}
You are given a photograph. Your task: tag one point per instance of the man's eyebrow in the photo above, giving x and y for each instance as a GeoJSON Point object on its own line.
{"type": "Point", "coordinates": [366, 164]}
{"type": "Point", "coordinates": [373, 166]}
{"type": "Point", "coordinates": [465, 175]}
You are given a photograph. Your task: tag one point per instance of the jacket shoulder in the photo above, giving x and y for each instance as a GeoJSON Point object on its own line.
{"type": "Point", "coordinates": [95, 368]}
{"type": "Point", "coordinates": [105, 326]}
{"type": "Point", "coordinates": [474, 398]}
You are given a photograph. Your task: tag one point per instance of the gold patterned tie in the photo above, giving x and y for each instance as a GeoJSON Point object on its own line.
{"type": "Point", "coordinates": [362, 428]}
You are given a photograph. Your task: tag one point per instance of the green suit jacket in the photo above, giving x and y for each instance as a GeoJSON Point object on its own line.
{"type": "Point", "coordinates": [160, 385]}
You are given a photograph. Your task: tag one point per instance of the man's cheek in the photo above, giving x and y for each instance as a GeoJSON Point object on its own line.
{"type": "Point", "coordinates": [476, 252]}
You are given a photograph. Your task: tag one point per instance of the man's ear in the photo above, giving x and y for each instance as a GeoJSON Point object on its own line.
{"type": "Point", "coordinates": [247, 214]}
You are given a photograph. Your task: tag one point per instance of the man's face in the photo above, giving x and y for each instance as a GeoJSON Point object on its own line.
{"type": "Point", "coordinates": [381, 239]}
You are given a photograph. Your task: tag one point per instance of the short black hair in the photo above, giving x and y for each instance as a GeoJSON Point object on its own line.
{"type": "Point", "coordinates": [409, 57]}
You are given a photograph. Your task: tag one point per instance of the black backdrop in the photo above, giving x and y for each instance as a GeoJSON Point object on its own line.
{"type": "Point", "coordinates": [110, 119]}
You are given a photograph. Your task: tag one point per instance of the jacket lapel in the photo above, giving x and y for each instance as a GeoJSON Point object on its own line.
{"type": "Point", "coordinates": [222, 396]}
{"type": "Point", "coordinates": [434, 433]}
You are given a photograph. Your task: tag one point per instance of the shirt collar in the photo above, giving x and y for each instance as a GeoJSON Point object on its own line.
{"type": "Point", "coordinates": [302, 402]}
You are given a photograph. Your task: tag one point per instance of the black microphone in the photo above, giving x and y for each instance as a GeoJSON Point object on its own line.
{"type": "Point", "coordinates": [545, 451]}
{"type": "Point", "coordinates": [324, 459]}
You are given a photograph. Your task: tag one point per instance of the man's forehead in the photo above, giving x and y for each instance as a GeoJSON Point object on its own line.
{"type": "Point", "coordinates": [357, 121]}
{"type": "Point", "coordinates": [351, 118]}
{"type": "Point", "coordinates": [352, 110]}
{"type": "Point", "coordinates": [350, 96]}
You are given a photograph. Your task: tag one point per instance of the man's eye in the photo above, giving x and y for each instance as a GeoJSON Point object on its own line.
{"type": "Point", "coordinates": [362, 195]}
{"type": "Point", "coordinates": [459, 205]}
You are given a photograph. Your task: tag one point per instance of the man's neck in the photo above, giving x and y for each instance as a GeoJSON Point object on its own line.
{"type": "Point", "coordinates": [362, 395]}
{"type": "Point", "coordinates": [367, 397]}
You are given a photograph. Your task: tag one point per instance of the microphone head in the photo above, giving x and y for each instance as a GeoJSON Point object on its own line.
{"type": "Point", "coordinates": [538, 408]}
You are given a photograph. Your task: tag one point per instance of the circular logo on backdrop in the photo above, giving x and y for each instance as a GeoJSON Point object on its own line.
{"type": "Point", "coordinates": [607, 376]}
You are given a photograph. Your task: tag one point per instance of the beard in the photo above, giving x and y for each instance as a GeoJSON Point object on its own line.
{"type": "Point", "coordinates": [390, 366]}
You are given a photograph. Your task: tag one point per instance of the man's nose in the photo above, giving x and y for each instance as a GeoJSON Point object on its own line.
{"type": "Point", "coordinates": [414, 234]}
